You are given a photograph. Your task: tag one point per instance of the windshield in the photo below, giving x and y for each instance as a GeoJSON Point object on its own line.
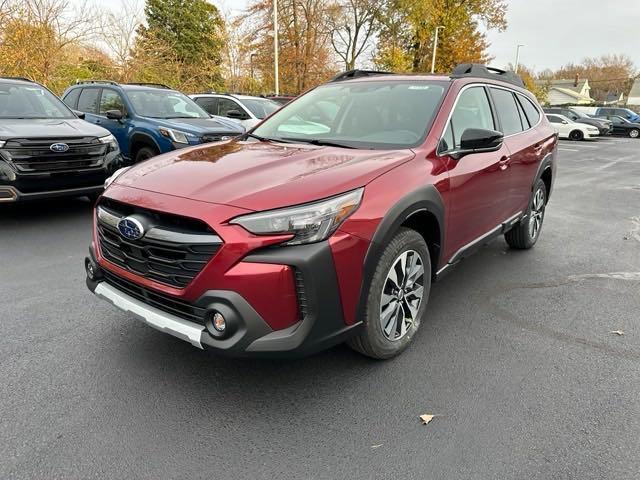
{"type": "Point", "coordinates": [260, 107]}
{"type": "Point", "coordinates": [373, 114]}
{"type": "Point", "coordinates": [30, 101]}
{"type": "Point", "coordinates": [165, 104]}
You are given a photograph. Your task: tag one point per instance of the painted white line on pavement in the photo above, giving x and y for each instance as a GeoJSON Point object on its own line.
{"type": "Point", "coordinates": [562, 149]}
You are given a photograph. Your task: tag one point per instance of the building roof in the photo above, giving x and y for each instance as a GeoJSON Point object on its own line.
{"type": "Point", "coordinates": [635, 89]}
{"type": "Point", "coordinates": [564, 84]}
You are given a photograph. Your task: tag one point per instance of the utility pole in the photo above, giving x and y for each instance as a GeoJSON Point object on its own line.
{"type": "Point", "coordinates": [275, 45]}
{"type": "Point", "coordinates": [435, 47]}
{"type": "Point", "coordinates": [515, 70]}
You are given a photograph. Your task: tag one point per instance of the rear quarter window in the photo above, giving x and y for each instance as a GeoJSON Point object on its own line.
{"type": "Point", "coordinates": [530, 110]}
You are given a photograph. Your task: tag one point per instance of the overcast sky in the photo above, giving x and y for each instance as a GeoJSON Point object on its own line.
{"type": "Point", "coordinates": [554, 32]}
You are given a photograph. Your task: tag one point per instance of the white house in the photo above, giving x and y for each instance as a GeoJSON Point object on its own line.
{"type": "Point", "coordinates": [563, 92]}
{"type": "Point", "coordinates": [633, 100]}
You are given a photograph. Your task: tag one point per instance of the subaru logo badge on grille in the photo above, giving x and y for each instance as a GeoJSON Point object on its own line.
{"type": "Point", "coordinates": [59, 147]}
{"type": "Point", "coordinates": [130, 228]}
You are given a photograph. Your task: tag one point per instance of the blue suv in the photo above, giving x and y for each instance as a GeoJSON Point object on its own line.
{"type": "Point", "coordinates": [147, 119]}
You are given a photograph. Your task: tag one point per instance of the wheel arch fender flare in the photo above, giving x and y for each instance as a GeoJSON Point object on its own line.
{"type": "Point", "coordinates": [423, 199]}
{"type": "Point", "coordinates": [144, 138]}
{"type": "Point", "coordinates": [547, 163]}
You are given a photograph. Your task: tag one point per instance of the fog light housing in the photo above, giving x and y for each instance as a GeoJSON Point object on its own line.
{"type": "Point", "coordinates": [218, 322]}
{"type": "Point", "coordinates": [93, 271]}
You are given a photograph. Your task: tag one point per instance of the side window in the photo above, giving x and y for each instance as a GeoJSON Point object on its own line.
{"type": "Point", "coordinates": [507, 111]}
{"type": "Point", "coordinates": [225, 106]}
{"type": "Point", "coordinates": [471, 111]}
{"type": "Point", "coordinates": [111, 100]}
{"type": "Point", "coordinates": [88, 101]}
{"type": "Point", "coordinates": [71, 98]}
{"type": "Point", "coordinates": [616, 120]}
{"type": "Point", "coordinates": [554, 119]}
{"type": "Point", "coordinates": [208, 104]}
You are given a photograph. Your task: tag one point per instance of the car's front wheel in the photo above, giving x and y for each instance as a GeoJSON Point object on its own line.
{"type": "Point", "coordinates": [576, 135]}
{"type": "Point", "coordinates": [145, 153]}
{"type": "Point", "coordinates": [397, 298]}
{"type": "Point", "coordinates": [634, 133]}
{"type": "Point", "coordinates": [526, 233]}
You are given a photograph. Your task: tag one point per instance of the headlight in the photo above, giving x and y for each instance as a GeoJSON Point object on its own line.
{"type": "Point", "coordinates": [2, 142]}
{"type": "Point", "coordinates": [115, 175]}
{"type": "Point", "coordinates": [175, 135]}
{"type": "Point", "coordinates": [308, 223]}
{"type": "Point", "coordinates": [111, 141]}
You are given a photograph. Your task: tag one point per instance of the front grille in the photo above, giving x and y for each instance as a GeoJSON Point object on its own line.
{"type": "Point", "coordinates": [302, 295]}
{"type": "Point", "coordinates": [158, 300]}
{"type": "Point", "coordinates": [35, 155]}
{"type": "Point", "coordinates": [217, 137]}
{"type": "Point", "coordinates": [173, 250]}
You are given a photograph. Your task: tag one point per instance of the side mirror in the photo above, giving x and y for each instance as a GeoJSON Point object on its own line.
{"type": "Point", "coordinates": [114, 114]}
{"type": "Point", "coordinates": [79, 114]}
{"type": "Point", "coordinates": [236, 114]}
{"type": "Point", "coordinates": [565, 122]}
{"type": "Point", "coordinates": [478, 140]}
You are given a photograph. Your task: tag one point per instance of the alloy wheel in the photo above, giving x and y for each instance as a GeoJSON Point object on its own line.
{"type": "Point", "coordinates": [402, 295]}
{"type": "Point", "coordinates": [537, 214]}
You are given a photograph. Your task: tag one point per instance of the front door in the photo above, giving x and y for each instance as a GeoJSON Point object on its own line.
{"type": "Point", "coordinates": [111, 100]}
{"type": "Point", "coordinates": [480, 182]}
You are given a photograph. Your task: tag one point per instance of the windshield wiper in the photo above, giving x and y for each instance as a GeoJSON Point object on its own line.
{"type": "Point", "coordinates": [244, 136]}
{"type": "Point", "coordinates": [320, 143]}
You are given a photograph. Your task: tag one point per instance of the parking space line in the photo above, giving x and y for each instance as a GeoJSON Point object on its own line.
{"type": "Point", "coordinates": [563, 149]}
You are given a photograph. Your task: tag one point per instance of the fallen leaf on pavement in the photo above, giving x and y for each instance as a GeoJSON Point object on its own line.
{"type": "Point", "coordinates": [426, 418]}
{"type": "Point", "coordinates": [617, 332]}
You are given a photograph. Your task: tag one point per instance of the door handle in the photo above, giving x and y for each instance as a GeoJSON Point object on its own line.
{"type": "Point", "coordinates": [504, 163]}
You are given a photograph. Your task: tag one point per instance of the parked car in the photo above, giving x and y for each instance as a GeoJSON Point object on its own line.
{"type": "Point", "coordinates": [281, 99]}
{"type": "Point", "coordinates": [625, 113]}
{"type": "Point", "coordinates": [245, 109]}
{"type": "Point", "coordinates": [567, 128]}
{"type": "Point", "coordinates": [147, 119]}
{"type": "Point", "coordinates": [604, 126]}
{"type": "Point", "coordinates": [46, 150]}
{"type": "Point", "coordinates": [622, 126]}
{"type": "Point", "coordinates": [301, 235]}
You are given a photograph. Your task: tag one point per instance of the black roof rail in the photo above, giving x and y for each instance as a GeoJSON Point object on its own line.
{"type": "Point", "coordinates": [350, 74]}
{"type": "Point", "coordinates": [83, 82]}
{"type": "Point", "coordinates": [22, 79]}
{"type": "Point", "coordinates": [146, 84]}
{"type": "Point", "coordinates": [482, 71]}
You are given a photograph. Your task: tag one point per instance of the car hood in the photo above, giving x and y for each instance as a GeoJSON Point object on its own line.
{"type": "Point", "coordinates": [199, 126]}
{"type": "Point", "coordinates": [48, 128]}
{"type": "Point", "coordinates": [261, 176]}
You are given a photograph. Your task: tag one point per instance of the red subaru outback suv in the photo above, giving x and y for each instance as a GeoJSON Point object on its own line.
{"type": "Point", "coordinates": [329, 221]}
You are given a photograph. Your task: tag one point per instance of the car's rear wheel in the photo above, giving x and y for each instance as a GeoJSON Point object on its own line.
{"type": "Point", "coordinates": [634, 133]}
{"type": "Point", "coordinates": [576, 135]}
{"type": "Point", "coordinates": [397, 298]}
{"type": "Point", "coordinates": [526, 232]}
{"type": "Point", "coordinates": [145, 153]}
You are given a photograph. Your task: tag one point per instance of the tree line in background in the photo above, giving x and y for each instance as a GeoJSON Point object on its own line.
{"type": "Point", "coordinates": [192, 46]}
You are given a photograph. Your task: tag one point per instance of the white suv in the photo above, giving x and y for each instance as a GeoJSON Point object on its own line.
{"type": "Point", "coordinates": [244, 109]}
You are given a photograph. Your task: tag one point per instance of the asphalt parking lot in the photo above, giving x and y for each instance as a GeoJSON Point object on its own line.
{"type": "Point", "coordinates": [516, 359]}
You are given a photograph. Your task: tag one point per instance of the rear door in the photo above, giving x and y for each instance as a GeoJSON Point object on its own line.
{"type": "Point", "coordinates": [479, 182]}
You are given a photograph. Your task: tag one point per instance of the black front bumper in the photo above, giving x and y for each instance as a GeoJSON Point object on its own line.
{"type": "Point", "coordinates": [15, 186]}
{"type": "Point", "coordinates": [321, 327]}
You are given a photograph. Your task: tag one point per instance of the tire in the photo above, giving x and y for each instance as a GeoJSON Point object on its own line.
{"type": "Point", "coordinates": [576, 135]}
{"type": "Point", "coordinates": [634, 133]}
{"type": "Point", "coordinates": [526, 233]}
{"type": "Point", "coordinates": [145, 153]}
{"type": "Point", "coordinates": [401, 313]}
